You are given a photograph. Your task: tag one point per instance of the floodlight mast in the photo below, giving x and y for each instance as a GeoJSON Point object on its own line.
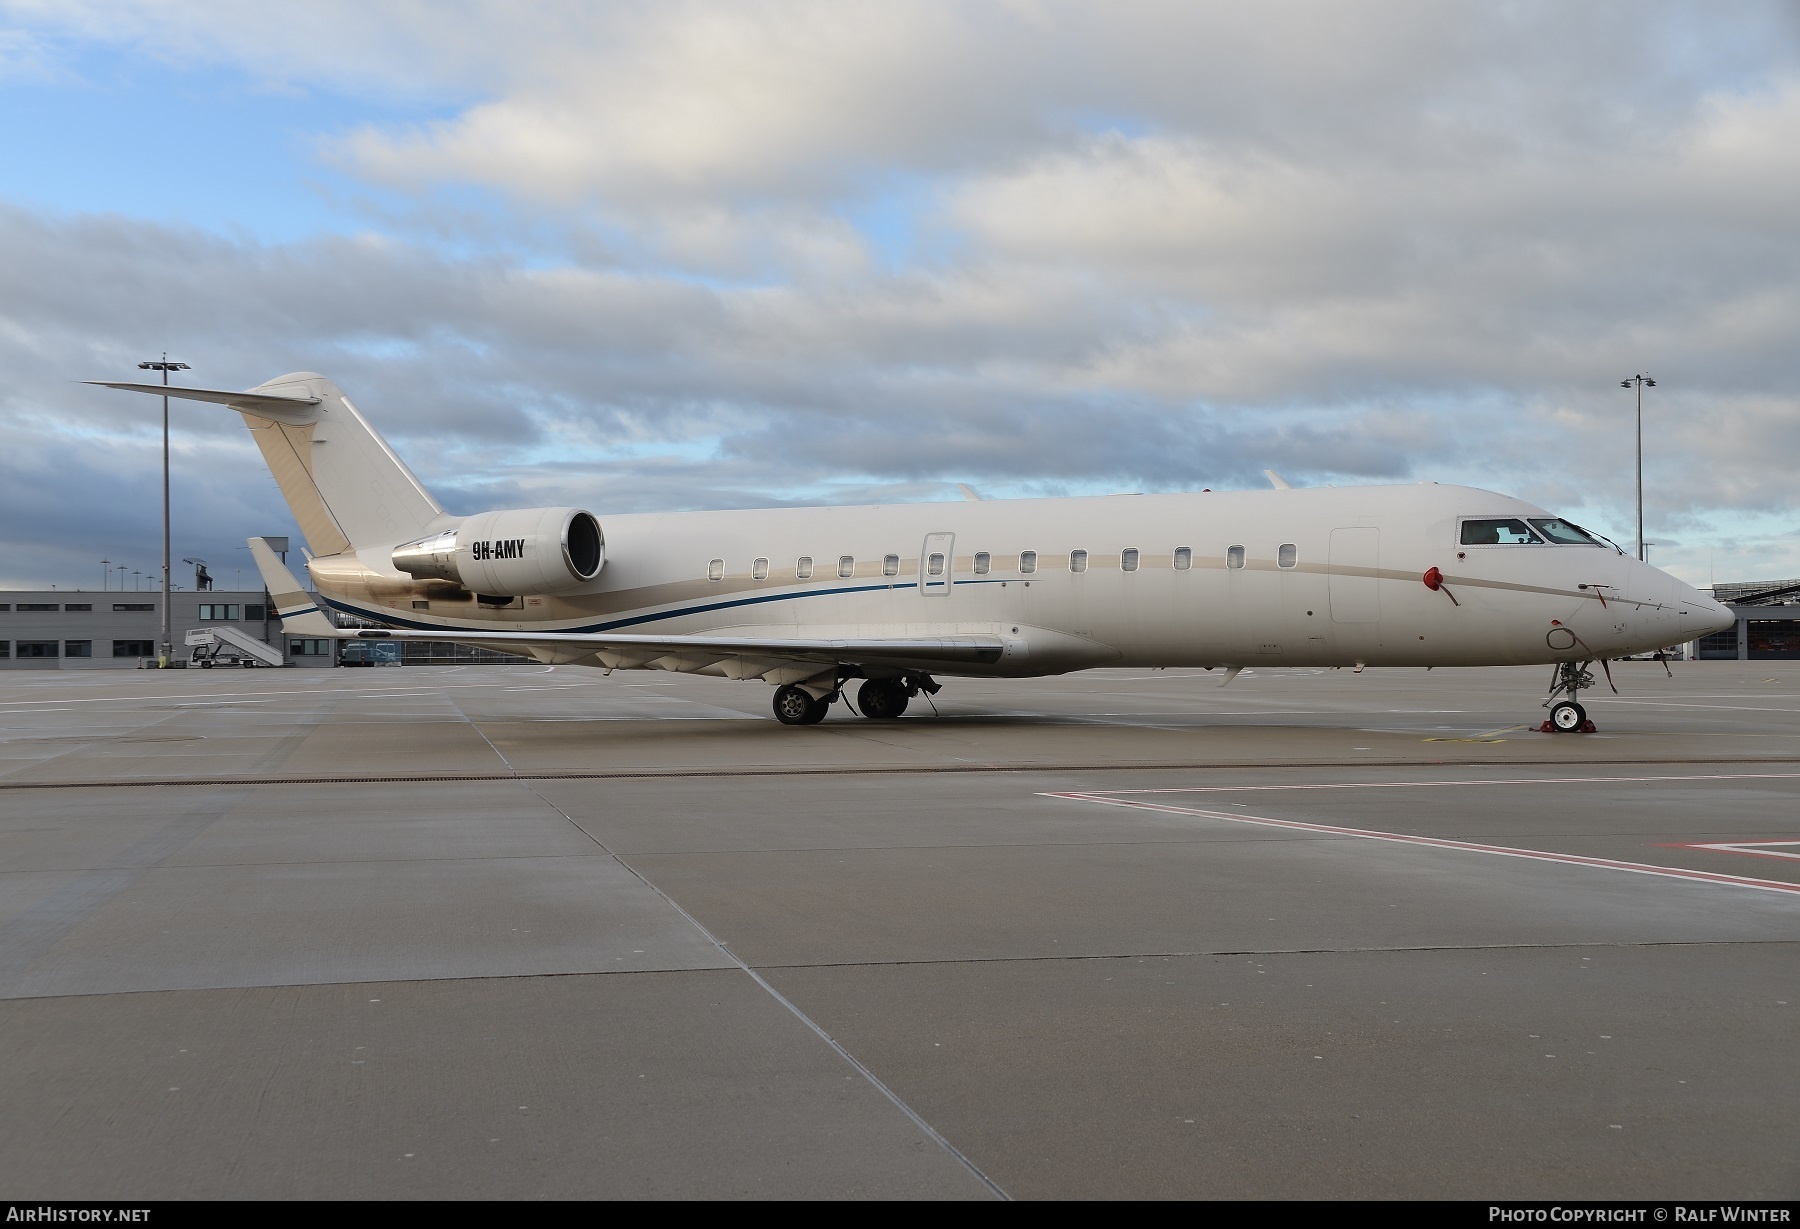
{"type": "Point", "coordinates": [1641, 382]}
{"type": "Point", "coordinates": [166, 649]}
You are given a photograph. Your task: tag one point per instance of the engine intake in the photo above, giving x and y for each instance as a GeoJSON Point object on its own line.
{"type": "Point", "coordinates": [512, 554]}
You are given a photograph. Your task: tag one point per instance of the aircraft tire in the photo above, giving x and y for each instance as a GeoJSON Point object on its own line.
{"type": "Point", "coordinates": [1567, 717]}
{"type": "Point", "coordinates": [796, 706]}
{"type": "Point", "coordinates": [882, 699]}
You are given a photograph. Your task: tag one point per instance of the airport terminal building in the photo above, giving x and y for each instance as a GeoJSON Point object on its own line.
{"type": "Point", "coordinates": [62, 629]}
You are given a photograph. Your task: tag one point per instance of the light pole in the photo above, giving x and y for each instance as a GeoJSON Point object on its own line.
{"type": "Point", "coordinates": [1641, 382]}
{"type": "Point", "coordinates": [167, 645]}
{"type": "Point", "coordinates": [105, 575]}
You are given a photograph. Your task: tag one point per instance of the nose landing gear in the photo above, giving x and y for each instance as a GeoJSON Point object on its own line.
{"type": "Point", "coordinates": [1566, 715]}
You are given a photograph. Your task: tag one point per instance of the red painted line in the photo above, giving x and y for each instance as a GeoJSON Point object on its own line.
{"type": "Point", "coordinates": [1246, 789]}
{"type": "Point", "coordinates": [1432, 842]}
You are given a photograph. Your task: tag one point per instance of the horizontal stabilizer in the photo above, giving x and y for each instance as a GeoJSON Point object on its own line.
{"type": "Point", "coordinates": [253, 402]}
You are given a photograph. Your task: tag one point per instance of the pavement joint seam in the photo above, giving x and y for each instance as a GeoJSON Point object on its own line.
{"type": "Point", "coordinates": [526, 775]}
{"type": "Point", "coordinates": [1062, 958]}
{"type": "Point", "coordinates": [856, 1064]}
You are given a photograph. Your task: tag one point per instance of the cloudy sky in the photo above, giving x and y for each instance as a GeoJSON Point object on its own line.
{"type": "Point", "coordinates": [665, 255]}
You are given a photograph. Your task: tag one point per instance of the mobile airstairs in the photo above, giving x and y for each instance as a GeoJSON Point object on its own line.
{"type": "Point", "coordinates": [227, 646]}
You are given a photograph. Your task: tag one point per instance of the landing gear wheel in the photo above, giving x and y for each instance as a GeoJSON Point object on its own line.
{"type": "Point", "coordinates": [883, 699]}
{"type": "Point", "coordinates": [795, 706]}
{"type": "Point", "coordinates": [1568, 717]}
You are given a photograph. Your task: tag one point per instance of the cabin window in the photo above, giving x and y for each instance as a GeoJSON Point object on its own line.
{"type": "Point", "coordinates": [1184, 558]}
{"type": "Point", "coordinates": [1563, 533]}
{"type": "Point", "coordinates": [1234, 557]}
{"type": "Point", "coordinates": [1027, 561]}
{"type": "Point", "coordinates": [846, 565]}
{"type": "Point", "coordinates": [890, 565]}
{"type": "Point", "coordinates": [759, 569]}
{"type": "Point", "coordinates": [1506, 531]}
{"type": "Point", "coordinates": [1077, 561]}
{"type": "Point", "coordinates": [1128, 559]}
{"type": "Point", "coordinates": [715, 570]}
{"type": "Point", "coordinates": [1287, 555]}
{"type": "Point", "coordinates": [803, 569]}
{"type": "Point", "coordinates": [983, 561]}
{"type": "Point", "coordinates": [934, 564]}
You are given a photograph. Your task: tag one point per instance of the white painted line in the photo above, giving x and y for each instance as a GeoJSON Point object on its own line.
{"type": "Point", "coordinates": [1247, 789]}
{"type": "Point", "coordinates": [1432, 842]}
{"type": "Point", "coordinates": [1755, 849]}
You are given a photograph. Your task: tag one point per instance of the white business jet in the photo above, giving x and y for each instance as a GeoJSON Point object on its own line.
{"type": "Point", "coordinates": [808, 599]}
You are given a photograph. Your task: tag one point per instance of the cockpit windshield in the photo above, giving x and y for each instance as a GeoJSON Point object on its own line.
{"type": "Point", "coordinates": [1564, 533]}
{"type": "Point", "coordinates": [1499, 531]}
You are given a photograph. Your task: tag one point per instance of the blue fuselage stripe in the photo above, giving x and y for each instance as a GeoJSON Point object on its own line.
{"type": "Point", "coordinates": [633, 620]}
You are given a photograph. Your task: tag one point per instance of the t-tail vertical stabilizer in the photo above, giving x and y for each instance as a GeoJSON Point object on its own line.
{"type": "Point", "coordinates": [344, 485]}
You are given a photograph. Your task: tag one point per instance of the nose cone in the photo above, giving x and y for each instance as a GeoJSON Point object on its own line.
{"type": "Point", "coordinates": [1715, 616]}
{"type": "Point", "coordinates": [1699, 614]}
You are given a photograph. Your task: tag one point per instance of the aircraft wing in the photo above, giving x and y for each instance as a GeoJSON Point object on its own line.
{"type": "Point", "coordinates": [699, 652]}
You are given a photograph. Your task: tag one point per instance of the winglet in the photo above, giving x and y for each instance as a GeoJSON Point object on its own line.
{"type": "Point", "coordinates": [300, 612]}
{"type": "Point", "coordinates": [1277, 481]}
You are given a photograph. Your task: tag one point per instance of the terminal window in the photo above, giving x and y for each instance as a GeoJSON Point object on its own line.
{"type": "Point", "coordinates": [150, 606]}
{"type": "Point", "coordinates": [222, 613]}
{"type": "Point", "coordinates": [37, 648]}
{"type": "Point", "coordinates": [5, 605]}
{"type": "Point", "coordinates": [309, 648]}
{"type": "Point", "coordinates": [134, 648]}
{"type": "Point", "coordinates": [78, 648]}
{"type": "Point", "coordinates": [253, 612]}
{"type": "Point", "coordinates": [78, 605]}
{"type": "Point", "coordinates": [37, 606]}
{"type": "Point", "coordinates": [5, 648]}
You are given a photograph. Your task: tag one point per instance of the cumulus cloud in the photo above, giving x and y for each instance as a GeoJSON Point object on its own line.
{"type": "Point", "coordinates": [727, 254]}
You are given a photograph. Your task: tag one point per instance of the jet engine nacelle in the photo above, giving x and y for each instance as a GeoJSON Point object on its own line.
{"type": "Point", "coordinates": [511, 554]}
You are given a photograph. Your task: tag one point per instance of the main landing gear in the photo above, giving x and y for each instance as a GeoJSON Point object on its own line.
{"type": "Point", "coordinates": [798, 706]}
{"type": "Point", "coordinates": [1566, 715]}
{"type": "Point", "coordinates": [885, 699]}
{"type": "Point", "coordinates": [882, 699]}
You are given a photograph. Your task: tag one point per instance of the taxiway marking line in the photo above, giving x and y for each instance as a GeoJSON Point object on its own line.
{"type": "Point", "coordinates": [1246, 789]}
{"type": "Point", "coordinates": [1434, 842]}
{"type": "Point", "coordinates": [1753, 849]}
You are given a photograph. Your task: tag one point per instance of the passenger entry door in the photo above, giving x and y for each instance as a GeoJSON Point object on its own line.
{"type": "Point", "coordinates": [936, 561]}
